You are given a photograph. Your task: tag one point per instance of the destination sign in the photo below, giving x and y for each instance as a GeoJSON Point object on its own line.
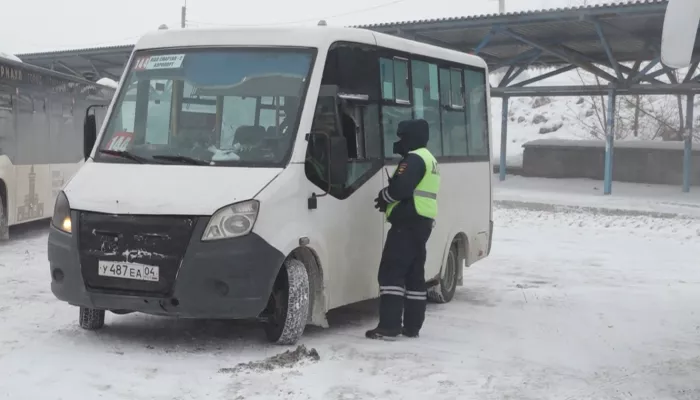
{"type": "Point", "coordinates": [165, 61]}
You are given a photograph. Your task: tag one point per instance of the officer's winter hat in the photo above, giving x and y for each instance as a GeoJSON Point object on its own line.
{"type": "Point", "coordinates": [414, 133]}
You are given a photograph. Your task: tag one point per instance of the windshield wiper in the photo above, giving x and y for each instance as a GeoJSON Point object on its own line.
{"type": "Point", "coordinates": [184, 159]}
{"type": "Point", "coordinates": [123, 154]}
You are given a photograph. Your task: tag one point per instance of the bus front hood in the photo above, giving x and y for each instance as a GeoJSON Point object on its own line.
{"type": "Point", "coordinates": [163, 189]}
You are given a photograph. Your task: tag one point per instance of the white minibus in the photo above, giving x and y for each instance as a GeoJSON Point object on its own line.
{"type": "Point", "coordinates": [236, 173]}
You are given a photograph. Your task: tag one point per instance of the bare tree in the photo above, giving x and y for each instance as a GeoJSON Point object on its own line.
{"type": "Point", "coordinates": [644, 117]}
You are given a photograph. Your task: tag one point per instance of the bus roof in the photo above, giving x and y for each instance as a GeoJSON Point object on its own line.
{"type": "Point", "coordinates": [319, 37]}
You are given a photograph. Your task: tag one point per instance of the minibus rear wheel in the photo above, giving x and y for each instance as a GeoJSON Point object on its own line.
{"type": "Point", "coordinates": [448, 279]}
{"type": "Point", "coordinates": [91, 319]}
{"type": "Point", "coordinates": [289, 304]}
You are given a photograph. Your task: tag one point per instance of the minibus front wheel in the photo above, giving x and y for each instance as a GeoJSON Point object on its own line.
{"type": "Point", "coordinates": [91, 319]}
{"type": "Point", "coordinates": [288, 307]}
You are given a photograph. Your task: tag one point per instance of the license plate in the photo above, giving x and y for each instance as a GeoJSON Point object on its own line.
{"type": "Point", "coordinates": [127, 270]}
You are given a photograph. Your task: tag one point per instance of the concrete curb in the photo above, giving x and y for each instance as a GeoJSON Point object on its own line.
{"type": "Point", "coordinates": [609, 211]}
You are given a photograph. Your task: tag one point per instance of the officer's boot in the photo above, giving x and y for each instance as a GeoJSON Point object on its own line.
{"type": "Point", "coordinates": [390, 310]}
{"type": "Point", "coordinates": [414, 312]}
{"type": "Point", "coordinates": [409, 333]}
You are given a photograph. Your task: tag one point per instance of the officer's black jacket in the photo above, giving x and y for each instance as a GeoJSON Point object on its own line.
{"type": "Point", "coordinates": [412, 135]}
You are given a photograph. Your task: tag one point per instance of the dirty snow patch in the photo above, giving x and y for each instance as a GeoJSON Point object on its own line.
{"type": "Point", "coordinates": [287, 359]}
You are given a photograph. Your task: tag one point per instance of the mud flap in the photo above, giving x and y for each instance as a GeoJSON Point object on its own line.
{"type": "Point", "coordinates": [4, 223]}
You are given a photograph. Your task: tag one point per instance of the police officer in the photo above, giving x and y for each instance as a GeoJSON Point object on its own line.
{"type": "Point", "coordinates": [410, 205]}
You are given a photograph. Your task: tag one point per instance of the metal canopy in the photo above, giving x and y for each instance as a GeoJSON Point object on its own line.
{"type": "Point", "coordinates": [632, 30]}
{"type": "Point", "coordinates": [92, 63]}
{"type": "Point", "coordinates": [595, 38]}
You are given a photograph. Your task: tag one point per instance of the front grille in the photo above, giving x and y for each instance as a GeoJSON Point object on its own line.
{"type": "Point", "coordinates": [151, 240]}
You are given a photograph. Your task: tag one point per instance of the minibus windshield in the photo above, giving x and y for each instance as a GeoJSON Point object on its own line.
{"type": "Point", "coordinates": [230, 107]}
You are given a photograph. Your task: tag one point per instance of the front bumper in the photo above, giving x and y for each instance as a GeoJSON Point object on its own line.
{"type": "Point", "coordinates": [227, 279]}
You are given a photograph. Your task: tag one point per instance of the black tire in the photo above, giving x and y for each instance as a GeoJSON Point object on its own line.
{"type": "Point", "coordinates": [91, 319]}
{"type": "Point", "coordinates": [289, 304]}
{"type": "Point", "coordinates": [445, 291]}
{"type": "Point", "coordinates": [4, 223]}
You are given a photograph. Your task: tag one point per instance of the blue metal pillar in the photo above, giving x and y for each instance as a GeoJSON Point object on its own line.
{"type": "Point", "coordinates": [504, 140]}
{"type": "Point", "coordinates": [609, 141]}
{"type": "Point", "coordinates": [688, 148]}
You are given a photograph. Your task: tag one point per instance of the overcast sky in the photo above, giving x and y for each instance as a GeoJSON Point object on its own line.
{"type": "Point", "coordinates": [41, 25]}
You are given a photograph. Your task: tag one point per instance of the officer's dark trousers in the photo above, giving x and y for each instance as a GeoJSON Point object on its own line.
{"type": "Point", "coordinates": [402, 276]}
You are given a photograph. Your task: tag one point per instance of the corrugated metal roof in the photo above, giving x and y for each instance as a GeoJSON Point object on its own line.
{"type": "Point", "coordinates": [121, 47]}
{"type": "Point", "coordinates": [592, 7]}
{"type": "Point", "coordinates": [92, 63]}
{"type": "Point", "coordinates": [633, 30]}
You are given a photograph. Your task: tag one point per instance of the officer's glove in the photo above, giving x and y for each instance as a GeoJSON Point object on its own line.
{"type": "Point", "coordinates": [380, 204]}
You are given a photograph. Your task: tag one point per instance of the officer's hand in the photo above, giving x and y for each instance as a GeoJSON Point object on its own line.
{"type": "Point", "coordinates": [380, 204]}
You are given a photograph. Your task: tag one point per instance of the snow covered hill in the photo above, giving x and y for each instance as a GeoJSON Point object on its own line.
{"type": "Point", "coordinates": [583, 117]}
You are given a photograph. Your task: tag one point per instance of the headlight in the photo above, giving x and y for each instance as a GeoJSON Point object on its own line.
{"type": "Point", "coordinates": [61, 214]}
{"type": "Point", "coordinates": [232, 221]}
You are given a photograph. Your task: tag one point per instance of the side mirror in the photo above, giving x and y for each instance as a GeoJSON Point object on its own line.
{"type": "Point", "coordinates": [335, 158]}
{"type": "Point", "coordinates": [89, 132]}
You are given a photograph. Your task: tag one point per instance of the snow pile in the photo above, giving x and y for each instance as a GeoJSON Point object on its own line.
{"type": "Point", "coordinates": [108, 82]}
{"type": "Point", "coordinates": [651, 227]}
{"type": "Point", "coordinates": [9, 56]}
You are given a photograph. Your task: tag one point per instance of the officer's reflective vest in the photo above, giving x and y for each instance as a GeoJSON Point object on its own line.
{"type": "Point", "coordinates": [425, 194]}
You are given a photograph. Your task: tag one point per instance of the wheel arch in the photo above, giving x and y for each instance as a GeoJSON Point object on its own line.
{"type": "Point", "coordinates": [317, 295]}
{"type": "Point", "coordinates": [462, 252]}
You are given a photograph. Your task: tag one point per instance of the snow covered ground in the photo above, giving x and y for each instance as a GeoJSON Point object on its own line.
{"type": "Point", "coordinates": [627, 198]}
{"type": "Point", "coordinates": [570, 305]}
